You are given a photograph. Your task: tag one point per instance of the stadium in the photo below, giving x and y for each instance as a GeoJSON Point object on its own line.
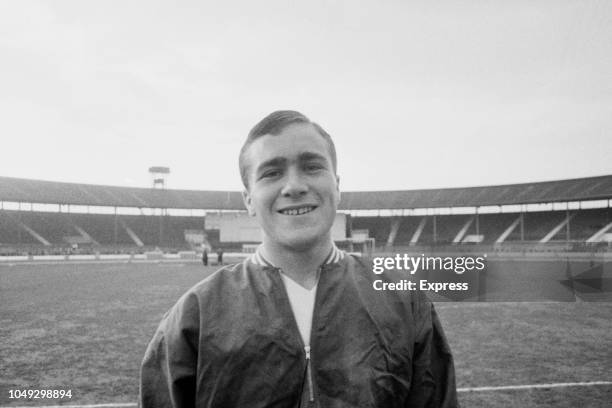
{"type": "Point", "coordinates": [473, 152]}
{"type": "Point", "coordinates": [87, 271]}
{"type": "Point", "coordinates": [40, 217]}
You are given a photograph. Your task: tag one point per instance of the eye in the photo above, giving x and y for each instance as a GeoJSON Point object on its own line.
{"type": "Point", "coordinates": [272, 173]}
{"type": "Point", "coordinates": [313, 167]}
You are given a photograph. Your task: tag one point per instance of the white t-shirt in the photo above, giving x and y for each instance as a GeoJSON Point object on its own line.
{"type": "Point", "coordinates": [302, 303]}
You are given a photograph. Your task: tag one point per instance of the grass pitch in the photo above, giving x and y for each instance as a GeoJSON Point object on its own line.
{"type": "Point", "coordinates": [85, 327]}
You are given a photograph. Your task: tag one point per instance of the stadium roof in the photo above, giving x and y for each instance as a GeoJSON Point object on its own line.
{"type": "Point", "coordinates": [50, 192]}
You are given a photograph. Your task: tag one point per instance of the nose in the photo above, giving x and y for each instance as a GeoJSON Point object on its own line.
{"type": "Point", "coordinates": [295, 184]}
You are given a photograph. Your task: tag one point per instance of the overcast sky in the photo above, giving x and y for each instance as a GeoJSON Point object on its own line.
{"type": "Point", "coordinates": [415, 94]}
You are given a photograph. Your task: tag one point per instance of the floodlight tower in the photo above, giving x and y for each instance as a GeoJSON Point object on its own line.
{"type": "Point", "coordinates": [159, 175]}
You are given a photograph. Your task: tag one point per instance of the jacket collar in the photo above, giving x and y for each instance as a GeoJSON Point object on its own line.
{"type": "Point", "coordinates": [334, 256]}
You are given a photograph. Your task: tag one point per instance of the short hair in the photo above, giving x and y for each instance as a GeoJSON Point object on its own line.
{"type": "Point", "coordinates": [274, 124]}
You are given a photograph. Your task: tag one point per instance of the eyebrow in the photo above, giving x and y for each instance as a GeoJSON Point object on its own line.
{"type": "Point", "coordinates": [306, 156]}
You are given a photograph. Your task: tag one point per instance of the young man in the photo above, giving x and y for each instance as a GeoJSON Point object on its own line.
{"type": "Point", "coordinates": [298, 323]}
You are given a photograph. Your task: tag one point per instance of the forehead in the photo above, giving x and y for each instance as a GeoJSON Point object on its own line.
{"type": "Point", "coordinates": [290, 144]}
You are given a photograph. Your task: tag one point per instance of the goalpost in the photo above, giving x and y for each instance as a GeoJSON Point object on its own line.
{"type": "Point", "coordinates": [365, 245]}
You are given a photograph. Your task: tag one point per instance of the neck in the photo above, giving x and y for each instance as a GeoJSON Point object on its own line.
{"type": "Point", "coordinates": [302, 264]}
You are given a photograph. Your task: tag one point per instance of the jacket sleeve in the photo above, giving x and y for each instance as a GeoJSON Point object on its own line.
{"type": "Point", "coordinates": [433, 381]}
{"type": "Point", "coordinates": [169, 368]}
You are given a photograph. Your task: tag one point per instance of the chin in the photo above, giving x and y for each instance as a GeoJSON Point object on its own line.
{"type": "Point", "coordinates": [301, 242]}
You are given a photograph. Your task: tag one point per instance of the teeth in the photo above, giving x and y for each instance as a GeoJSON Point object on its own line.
{"type": "Point", "coordinates": [298, 211]}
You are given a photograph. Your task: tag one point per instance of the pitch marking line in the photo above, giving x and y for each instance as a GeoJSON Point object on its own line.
{"type": "Point", "coordinates": [115, 405]}
{"type": "Point", "coordinates": [467, 389]}
{"type": "Point", "coordinates": [533, 386]}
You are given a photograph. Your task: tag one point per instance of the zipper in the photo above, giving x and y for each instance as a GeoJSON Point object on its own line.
{"type": "Point", "coordinates": [312, 329]}
{"type": "Point", "coordinates": [309, 374]}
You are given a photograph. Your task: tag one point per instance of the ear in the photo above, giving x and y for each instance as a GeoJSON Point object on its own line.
{"type": "Point", "coordinates": [338, 189]}
{"type": "Point", "coordinates": [248, 202]}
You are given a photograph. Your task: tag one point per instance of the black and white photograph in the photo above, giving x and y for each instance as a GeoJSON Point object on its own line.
{"type": "Point", "coordinates": [293, 204]}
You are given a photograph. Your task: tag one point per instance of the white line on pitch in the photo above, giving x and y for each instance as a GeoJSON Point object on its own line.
{"type": "Point", "coordinates": [111, 405]}
{"type": "Point", "coordinates": [467, 389]}
{"type": "Point", "coordinates": [532, 386]}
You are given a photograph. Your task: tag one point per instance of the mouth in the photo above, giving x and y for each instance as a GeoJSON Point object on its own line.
{"type": "Point", "coordinates": [298, 210]}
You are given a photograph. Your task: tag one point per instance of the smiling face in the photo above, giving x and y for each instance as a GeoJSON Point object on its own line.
{"type": "Point", "coordinates": [292, 187]}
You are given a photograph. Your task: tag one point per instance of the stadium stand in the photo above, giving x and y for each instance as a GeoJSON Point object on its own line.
{"type": "Point", "coordinates": [538, 224]}
{"type": "Point", "coordinates": [376, 229]}
{"type": "Point", "coordinates": [11, 232]}
{"type": "Point", "coordinates": [387, 216]}
{"type": "Point", "coordinates": [37, 191]}
{"type": "Point", "coordinates": [407, 227]}
{"type": "Point", "coordinates": [588, 222]}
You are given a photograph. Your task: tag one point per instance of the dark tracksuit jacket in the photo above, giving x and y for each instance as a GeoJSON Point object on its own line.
{"type": "Point", "coordinates": [232, 341]}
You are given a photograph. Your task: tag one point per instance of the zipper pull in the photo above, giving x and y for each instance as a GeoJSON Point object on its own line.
{"type": "Point", "coordinates": [309, 374]}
